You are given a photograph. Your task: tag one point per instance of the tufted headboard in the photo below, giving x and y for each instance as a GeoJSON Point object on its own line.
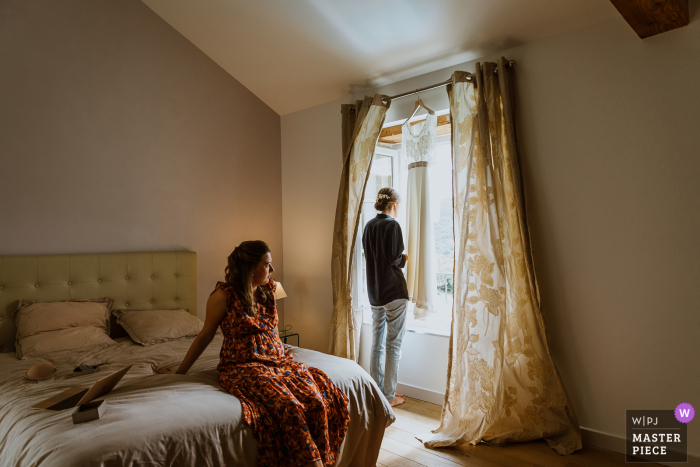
{"type": "Point", "coordinates": [136, 281]}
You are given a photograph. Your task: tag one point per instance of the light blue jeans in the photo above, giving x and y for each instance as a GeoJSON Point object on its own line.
{"type": "Point", "coordinates": [388, 328]}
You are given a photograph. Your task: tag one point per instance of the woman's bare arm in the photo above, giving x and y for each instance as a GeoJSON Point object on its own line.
{"type": "Point", "coordinates": [216, 309]}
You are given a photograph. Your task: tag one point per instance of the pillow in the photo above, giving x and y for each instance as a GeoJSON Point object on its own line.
{"type": "Point", "coordinates": [153, 326]}
{"type": "Point", "coordinates": [38, 320]}
{"type": "Point", "coordinates": [76, 338]}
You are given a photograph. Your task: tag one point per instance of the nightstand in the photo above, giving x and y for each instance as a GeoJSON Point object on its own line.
{"type": "Point", "coordinates": [286, 337]}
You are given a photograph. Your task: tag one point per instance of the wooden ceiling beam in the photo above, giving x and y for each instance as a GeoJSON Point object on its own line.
{"type": "Point", "coordinates": [651, 17]}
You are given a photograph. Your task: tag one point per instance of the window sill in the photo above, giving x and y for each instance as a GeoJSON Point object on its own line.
{"type": "Point", "coordinates": [429, 333]}
{"type": "Point", "coordinates": [367, 319]}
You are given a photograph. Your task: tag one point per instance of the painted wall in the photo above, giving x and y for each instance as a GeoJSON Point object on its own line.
{"type": "Point", "coordinates": [117, 134]}
{"type": "Point", "coordinates": [608, 132]}
{"type": "Point", "coordinates": [311, 164]}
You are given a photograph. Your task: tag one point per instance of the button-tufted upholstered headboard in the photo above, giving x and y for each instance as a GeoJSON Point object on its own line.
{"type": "Point", "coordinates": [136, 281]}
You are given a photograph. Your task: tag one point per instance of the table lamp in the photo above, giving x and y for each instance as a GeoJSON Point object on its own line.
{"type": "Point", "coordinates": [279, 292]}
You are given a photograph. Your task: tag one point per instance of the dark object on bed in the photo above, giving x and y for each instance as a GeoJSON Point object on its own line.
{"type": "Point", "coordinates": [84, 369]}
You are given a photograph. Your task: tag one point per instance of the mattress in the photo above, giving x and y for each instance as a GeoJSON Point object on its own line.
{"type": "Point", "coordinates": [162, 420]}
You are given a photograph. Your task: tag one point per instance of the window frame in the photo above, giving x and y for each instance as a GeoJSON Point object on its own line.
{"type": "Point", "coordinates": [358, 260]}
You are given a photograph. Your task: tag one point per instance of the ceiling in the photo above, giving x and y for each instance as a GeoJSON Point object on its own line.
{"type": "Point", "coordinates": [295, 54]}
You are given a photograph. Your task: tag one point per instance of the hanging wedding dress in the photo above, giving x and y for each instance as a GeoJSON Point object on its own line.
{"type": "Point", "coordinates": [418, 143]}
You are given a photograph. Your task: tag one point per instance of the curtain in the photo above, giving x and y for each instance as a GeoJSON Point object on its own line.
{"type": "Point", "coordinates": [366, 119]}
{"type": "Point", "coordinates": [502, 384]}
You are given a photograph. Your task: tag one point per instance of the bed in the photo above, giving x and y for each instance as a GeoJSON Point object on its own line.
{"type": "Point", "coordinates": [153, 420]}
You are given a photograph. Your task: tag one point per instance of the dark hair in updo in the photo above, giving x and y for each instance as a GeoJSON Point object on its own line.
{"type": "Point", "coordinates": [385, 197]}
{"type": "Point", "coordinates": [239, 272]}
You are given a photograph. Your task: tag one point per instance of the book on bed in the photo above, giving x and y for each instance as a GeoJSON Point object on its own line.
{"type": "Point", "coordinates": [74, 397]}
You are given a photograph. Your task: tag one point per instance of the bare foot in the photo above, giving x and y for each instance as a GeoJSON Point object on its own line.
{"type": "Point", "coordinates": [397, 401]}
{"type": "Point", "coordinates": [398, 395]}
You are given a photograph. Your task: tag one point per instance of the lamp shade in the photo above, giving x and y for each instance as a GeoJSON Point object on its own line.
{"type": "Point", "coordinates": [279, 292]}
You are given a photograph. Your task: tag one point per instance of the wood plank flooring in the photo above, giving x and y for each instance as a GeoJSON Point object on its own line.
{"type": "Point", "coordinates": [400, 448]}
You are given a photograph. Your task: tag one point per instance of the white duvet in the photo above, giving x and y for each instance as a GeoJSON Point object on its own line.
{"type": "Point", "coordinates": [162, 420]}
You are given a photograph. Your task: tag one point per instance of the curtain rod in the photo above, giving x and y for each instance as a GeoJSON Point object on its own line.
{"type": "Point", "coordinates": [470, 77]}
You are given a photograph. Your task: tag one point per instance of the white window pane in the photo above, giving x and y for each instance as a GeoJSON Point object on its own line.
{"type": "Point", "coordinates": [379, 177]}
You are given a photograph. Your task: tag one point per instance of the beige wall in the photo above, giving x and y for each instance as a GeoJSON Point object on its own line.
{"type": "Point", "coordinates": [117, 134]}
{"type": "Point", "coordinates": [311, 164]}
{"type": "Point", "coordinates": [608, 131]}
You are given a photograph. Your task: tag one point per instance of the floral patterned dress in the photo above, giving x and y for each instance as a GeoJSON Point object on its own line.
{"type": "Point", "coordinates": [297, 413]}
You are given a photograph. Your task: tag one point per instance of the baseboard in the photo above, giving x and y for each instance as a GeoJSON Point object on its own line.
{"type": "Point", "coordinates": [614, 443]}
{"type": "Point", "coordinates": [416, 392]}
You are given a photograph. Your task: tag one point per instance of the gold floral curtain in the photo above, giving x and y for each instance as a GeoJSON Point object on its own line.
{"type": "Point", "coordinates": [362, 124]}
{"type": "Point", "coordinates": [502, 384]}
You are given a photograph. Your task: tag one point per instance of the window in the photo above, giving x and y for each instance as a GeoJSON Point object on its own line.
{"type": "Point", "coordinates": [389, 168]}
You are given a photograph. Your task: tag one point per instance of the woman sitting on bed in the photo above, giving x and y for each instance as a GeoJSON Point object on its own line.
{"type": "Point", "coordinates": [299, 416]}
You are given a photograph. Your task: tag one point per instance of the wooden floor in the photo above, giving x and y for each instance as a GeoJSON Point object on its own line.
{"type": "Point", "coordinates": [400, 448]}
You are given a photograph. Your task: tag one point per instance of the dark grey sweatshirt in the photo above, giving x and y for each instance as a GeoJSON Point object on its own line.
{"type": "Point", "coordinates": [383, 244]}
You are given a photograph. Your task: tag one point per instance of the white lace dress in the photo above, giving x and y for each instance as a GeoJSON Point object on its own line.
{"type": "Point", "coordinates": [418, 143]}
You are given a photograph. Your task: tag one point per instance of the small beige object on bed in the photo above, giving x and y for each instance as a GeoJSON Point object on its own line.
{"type": "Point", "coordinates": [42, 370]}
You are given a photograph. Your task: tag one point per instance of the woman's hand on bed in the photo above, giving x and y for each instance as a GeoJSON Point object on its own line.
{"type": "Point", "coordinates": [165, 371]}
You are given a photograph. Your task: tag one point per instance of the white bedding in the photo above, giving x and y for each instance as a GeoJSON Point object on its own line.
{"type": "Point", "coordinates": [162, 420]}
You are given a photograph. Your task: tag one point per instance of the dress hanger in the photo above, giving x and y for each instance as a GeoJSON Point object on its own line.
{"type": "Point", "coordinates": [419, 104]}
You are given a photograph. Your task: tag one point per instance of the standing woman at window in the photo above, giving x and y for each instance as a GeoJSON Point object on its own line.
{"type": "Point", "coordinates": [387, 290]}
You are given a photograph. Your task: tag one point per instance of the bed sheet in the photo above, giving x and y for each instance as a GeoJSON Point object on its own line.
{"type": "Point", "coordinates": [162, 420]}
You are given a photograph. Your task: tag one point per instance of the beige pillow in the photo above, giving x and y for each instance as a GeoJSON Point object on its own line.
{"type": "Point", "coordinates": [37, 320]}
{"type": "Point", "coordinates": [153, 326]}
{"type": "Point", "coordinates": [76, 338]}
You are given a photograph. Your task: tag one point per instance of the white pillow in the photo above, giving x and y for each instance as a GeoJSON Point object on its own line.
{"type": "Point", "coordinates": [153, 326]}
{"type": "Point", "coordinates": [77, 338]}
{"type": "Point", "coordinates": [38, 321]}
